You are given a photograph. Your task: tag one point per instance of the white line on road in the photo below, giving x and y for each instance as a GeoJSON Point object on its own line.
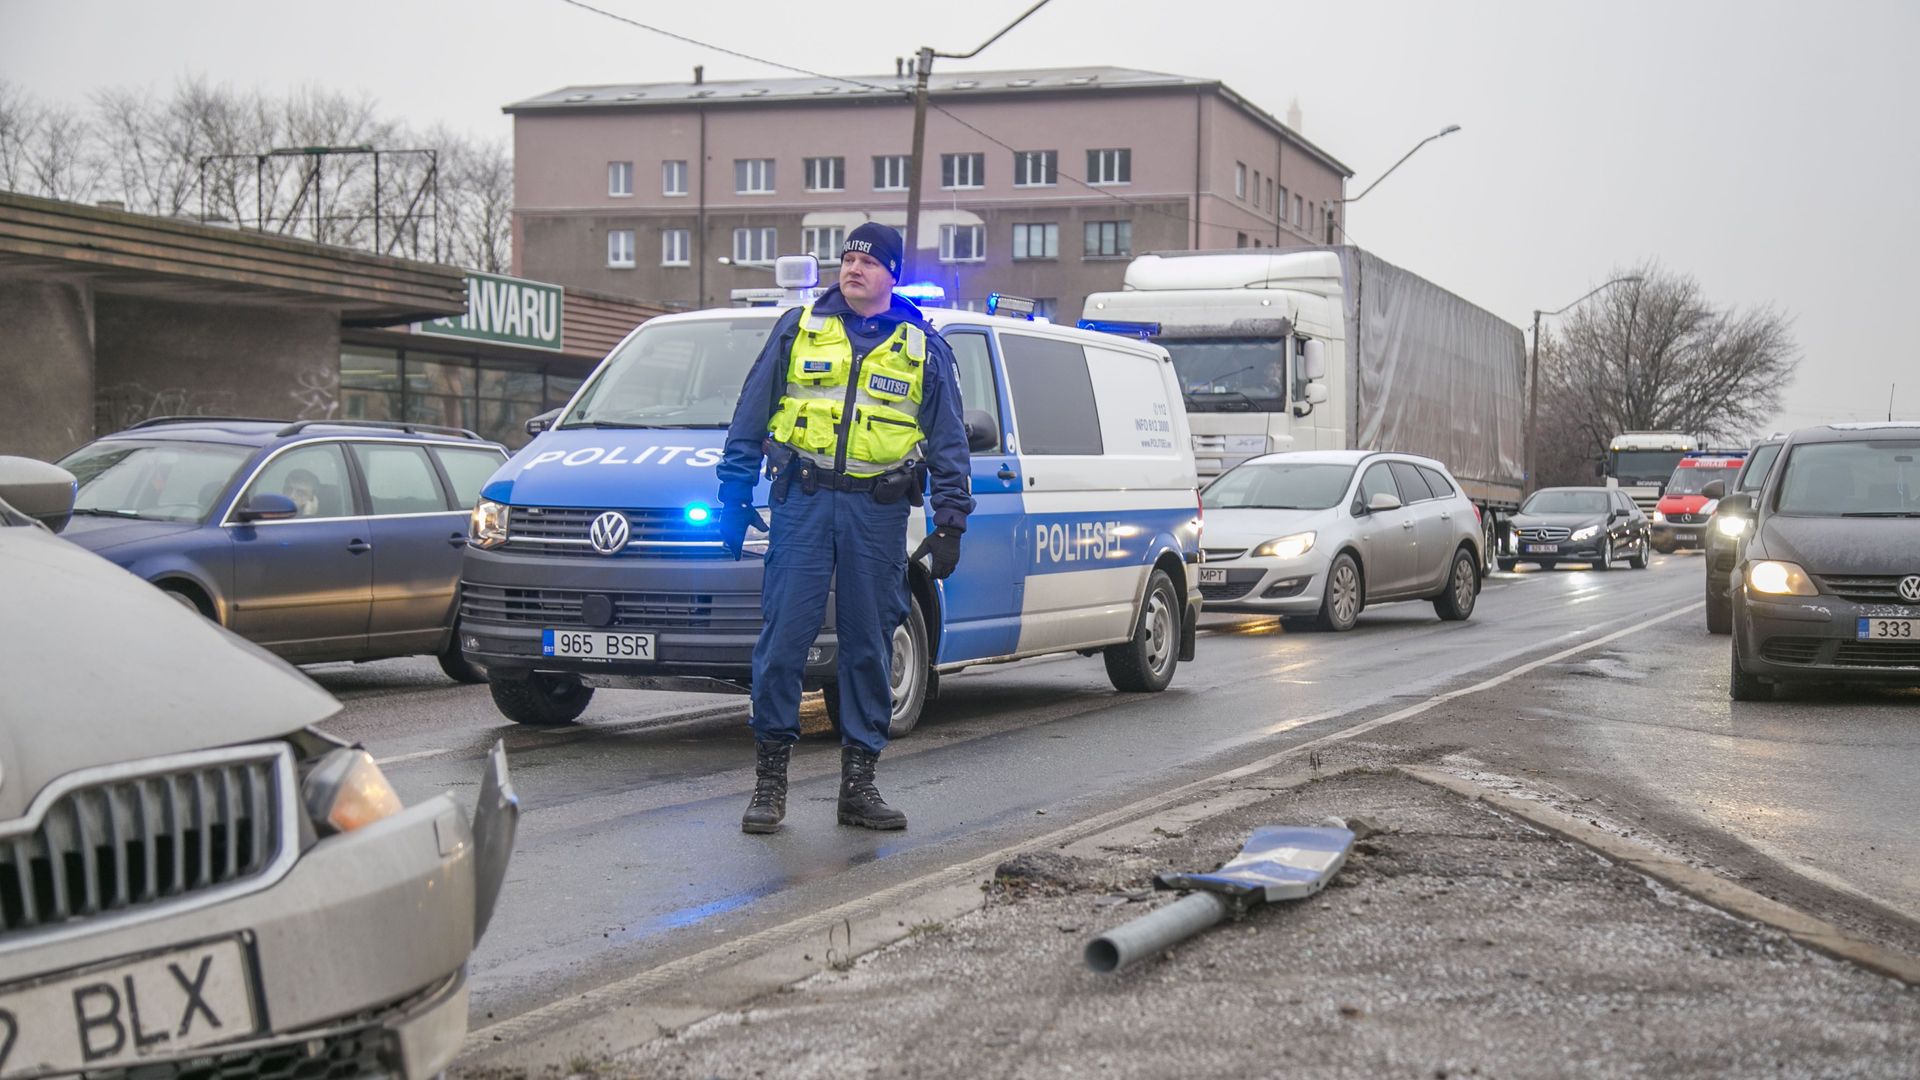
{"type": "Point", "coordinates": [415, 756]}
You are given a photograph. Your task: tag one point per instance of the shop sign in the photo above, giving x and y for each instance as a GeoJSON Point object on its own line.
{"type": "Point", "coordinates": [506, 311]}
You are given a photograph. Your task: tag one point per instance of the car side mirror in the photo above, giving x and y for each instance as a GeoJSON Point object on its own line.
{"type": "Point", "coordinates": [1741, 504]}
{"type": "Point", "coordinates": [544, 421]}
{"type": "Point", "coordinates": [1715, 489]}
{"type": "Point", "coordinates": [39, 490]}
{"type": "Point", "coordinates": [1616, 515]}
{"type": "Point", "coordinates": [983, 433]}
{"type": "Point", "coordinates": [1382, 501]}
{"type": "Point", "coordinates": [266, 506]}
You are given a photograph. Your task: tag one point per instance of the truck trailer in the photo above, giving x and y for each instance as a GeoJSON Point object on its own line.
{"type": "Point", "coordinates": [1332, 348]}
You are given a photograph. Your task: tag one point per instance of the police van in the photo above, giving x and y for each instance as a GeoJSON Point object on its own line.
{"type": "Point", "coordinates": [594, 557]}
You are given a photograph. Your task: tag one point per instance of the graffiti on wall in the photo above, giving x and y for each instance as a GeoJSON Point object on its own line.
{"type": "Point", "coordinates": [315, 394]}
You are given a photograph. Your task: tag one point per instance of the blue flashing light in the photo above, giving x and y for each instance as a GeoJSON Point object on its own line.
{"type": "Point", "coordinates": [1141, 330]}
{"type": "Point", "coordinates": [921, 292]}
{"type": "Point", "coordinates": [699, 513]}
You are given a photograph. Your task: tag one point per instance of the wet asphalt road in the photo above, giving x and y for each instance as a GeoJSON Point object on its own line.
{"type": "Point", "coordinates": [630, 853]}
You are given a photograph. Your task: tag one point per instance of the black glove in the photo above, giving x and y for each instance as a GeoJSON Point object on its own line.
{"type": "Point", "coordinates": [734, 519]}
{"type": "Point", "coordinates": [944, 545]}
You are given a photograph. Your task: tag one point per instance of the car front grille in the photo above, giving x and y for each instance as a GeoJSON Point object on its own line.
{"type": "Point", "coordinates": [738, 611]}
{"type": "Point", "coordinates": [1792, 650]}
{"type": "Point", "coordinates": [1874, 589]}
{"type": "Point", "coordinates": [363, 1053]}
{"type": "Point", "coordinates": [1223, 554]}
{"type": "Point", "coordinates": [1878, 654]}
{"type": "Point", "coordinates": [1543, 533]}
{"type": "Point", "coordinates": [1237, 585]}
{"type": "Point", "coordinates": [656, 533]}
{"type": "Point", "coordinates": [107, 844]}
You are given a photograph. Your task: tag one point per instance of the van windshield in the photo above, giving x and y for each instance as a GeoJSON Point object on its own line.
{"type": "Point", "coordinates": [673, 375]}
{"type": "Point", "coordinates": [1694, 481]}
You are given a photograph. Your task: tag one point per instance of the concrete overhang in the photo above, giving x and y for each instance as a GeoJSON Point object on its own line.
{"type": "Point", "coordinates": [138, 254]}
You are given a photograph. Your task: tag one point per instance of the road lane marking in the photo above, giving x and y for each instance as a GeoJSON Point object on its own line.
{"type": "Point", "coordinates": [415, 756]}
{"type": "Point", "coordinates": [531, 1024]}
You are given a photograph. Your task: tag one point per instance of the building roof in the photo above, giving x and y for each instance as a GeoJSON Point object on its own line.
{"type": "Point", "coordinates": [870, 89]}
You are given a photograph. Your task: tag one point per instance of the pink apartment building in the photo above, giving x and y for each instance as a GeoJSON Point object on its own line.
{"type": "Point", "coordinates": [1040, 183]}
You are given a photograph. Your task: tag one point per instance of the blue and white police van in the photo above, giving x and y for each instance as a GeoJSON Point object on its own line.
{"type": "Point", "coordinates": [594, 558]}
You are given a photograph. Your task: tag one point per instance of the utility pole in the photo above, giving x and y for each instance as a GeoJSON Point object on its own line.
{"type": "Point", "coordinates": [1533, 378]}
{"type": "Point", "coordinates": [922, 67]}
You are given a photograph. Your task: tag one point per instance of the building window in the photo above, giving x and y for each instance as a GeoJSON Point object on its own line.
{"type": "Point", "coordinates": [620, 248]}
{"type": "Point", "coordinates": [1239, 180]}
{"type": "Point", "coordinates": [675, 246]}
{"type": "Point", "coordinates": [963, 170]}
{"type": "Point", "coordinates": [1109, 166]}
{"type": "Point", "coordinates": [673, 178]}
{"type": "Point", "coordinates": [753, 176]}
{"type": "Point", "coordinates": [1299, 211]}
{"type": "Point", "coordinates": [1106, 239]}
{"type": "Point", "coordinates": [378, 384]}
{"type": "Point", "coordinates": [1036, 241]}
{"type": "Point", "coordinates": [825, 243]}
{"type": "Point", "coordinates": [826, 174]}
{"type": "Point", "coordinates": [755, 245]}
{"type": "Point", "coordinates": [963, 243]}
{"type": "Point", "coordinates": [1036, 168]}
{"type": "Point", "coordinates": [890, 172]}
{"type": "Point", "coordinates": [1280, 207]}
{"type": "Point", "coordinates": [1255, 189]}
{"type": "Point", "coordinates": [620, 179]}
{"type": "Point", "coordinates": [1239, 239]}
{"type": "Point", "coordinates": [1270, 203]}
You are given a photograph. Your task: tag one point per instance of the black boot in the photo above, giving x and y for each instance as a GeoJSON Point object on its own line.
{"type": "Point", "coordinates": [769, 803]}
{"type": "Point", "coordinates": [860, 801]}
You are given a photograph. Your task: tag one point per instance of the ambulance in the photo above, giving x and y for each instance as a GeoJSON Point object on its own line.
{"type": "Point", "coordinates": [1680, 517]}
{"type": "Point", "coordinates": [594, 558]}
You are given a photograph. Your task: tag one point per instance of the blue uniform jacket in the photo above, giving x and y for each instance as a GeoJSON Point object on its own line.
{"type": "Point", "coordinates": [940, 409]}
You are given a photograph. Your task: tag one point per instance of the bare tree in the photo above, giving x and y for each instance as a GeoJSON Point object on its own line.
{"type": "Point", "coordinates": [46, 149]}
{"type": "Point", "coordinates": [18, 117]}
{"type": "Point", "coordinates": [1655, 355]}
{"type": "Point", "coordinates": [476, 200]}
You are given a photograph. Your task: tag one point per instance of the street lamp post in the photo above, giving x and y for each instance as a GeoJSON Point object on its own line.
{"type": "Point", "coordinates": [1533, 377]}
{"type": "Point", "coordinates": [1448, 130]}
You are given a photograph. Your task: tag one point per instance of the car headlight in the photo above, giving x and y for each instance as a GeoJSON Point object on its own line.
{"type": "Point", "coordinates": [1286, 547]}
{"type": "Point", "coordinates": [1779, 579]}
{"type": "Point", "coordinates": [1587, 533]}
{"type": "Point", "coordinates": [1731, 525]}
{"type": "Point", "coordinates": [487, 527]}
{"type": "Point", "coordinates": [756, 542]}
{"type": "Point", "coordinates": [347, 791]}
{"type": "Point", "coordinates": [1659, 518]}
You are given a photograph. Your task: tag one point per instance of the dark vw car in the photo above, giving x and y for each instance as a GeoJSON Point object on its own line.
{"type": "Point", "coordinates": [1725, 531]}
{"type": "Point", "coordinates": [320, 540]}
{"type": "Point", "coordinates": [1828, 586]}
{"type": "Point", "coordinates": [1594, 525]}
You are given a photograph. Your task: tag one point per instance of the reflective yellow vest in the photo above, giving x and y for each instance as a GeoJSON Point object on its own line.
{"type": "Point", "coordinates": [882, 388]}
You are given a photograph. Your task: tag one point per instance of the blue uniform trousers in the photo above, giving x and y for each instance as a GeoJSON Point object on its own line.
{"type": "Point", "coordinates": [815, 540]}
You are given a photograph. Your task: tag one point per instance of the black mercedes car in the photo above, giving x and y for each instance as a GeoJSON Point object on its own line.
{"type": "Point", "coordinates": [1726, 530]}
{"type": "Point", "coordinates": [1827, 588]}
{"type": "Point", "coordinates": [1594, 525]}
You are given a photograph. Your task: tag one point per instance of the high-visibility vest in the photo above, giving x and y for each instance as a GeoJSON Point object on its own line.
{"type": "Point", "coordinates": [882, 389]}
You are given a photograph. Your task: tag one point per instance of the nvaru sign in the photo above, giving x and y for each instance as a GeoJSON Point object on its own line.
{"type": "Point", "coordinates": [505, 310]}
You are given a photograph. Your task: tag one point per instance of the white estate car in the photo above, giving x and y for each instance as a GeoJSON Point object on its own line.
{"type": "Point", "coordinates": [1324, 533]}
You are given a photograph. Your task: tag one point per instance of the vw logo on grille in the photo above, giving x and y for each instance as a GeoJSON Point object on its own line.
{"type": "Point", "coordinates": [609, 533]}
{"type": "Point", "coordinates": [1910, 588]}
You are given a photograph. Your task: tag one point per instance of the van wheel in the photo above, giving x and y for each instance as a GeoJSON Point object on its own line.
{"type": "Point", "coordinates": [1345, 595]}
{"type": "Point", "coordinates": [1455, 602]}
{"type": "Point", "coordinates": [541, 700]}
{"type": "Point", "coordinates": [455, 663]}
{"type": "Point", "coordinates": [1145, 664]}
{"type": "Point", "coordinates": [910, 674]}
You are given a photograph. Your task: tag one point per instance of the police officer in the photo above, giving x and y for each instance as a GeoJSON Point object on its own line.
{"type": "Point", "coordinates": [853, 401]}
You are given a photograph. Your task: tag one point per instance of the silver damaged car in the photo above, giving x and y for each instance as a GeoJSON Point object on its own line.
{"type": "Point", "coordinates": [194, 878]}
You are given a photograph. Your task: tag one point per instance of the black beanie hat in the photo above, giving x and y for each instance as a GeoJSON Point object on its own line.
{"type": "Point", "coordinates": [883, 244]}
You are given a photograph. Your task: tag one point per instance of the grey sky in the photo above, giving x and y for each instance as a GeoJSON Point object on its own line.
{"type": "Point", "coordinates": [1762, 147]}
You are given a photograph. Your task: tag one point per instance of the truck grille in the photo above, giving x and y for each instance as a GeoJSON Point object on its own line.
{"type": "Point", "coordinates": [637, 610]}
{"type": "Point", "coordinates": [1543, 533]}
{"type": "Point", "coordinates": [1876, 589]}
{"type": "Point", "coordinates": [658, 533]}
{"type": "Point", "coordinates": [129, 842]}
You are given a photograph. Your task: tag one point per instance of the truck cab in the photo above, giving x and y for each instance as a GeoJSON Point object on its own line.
{"type": "Point", "coordinates": [595, 560]}
{"type": "Point", "coordinates": [1641, 462]}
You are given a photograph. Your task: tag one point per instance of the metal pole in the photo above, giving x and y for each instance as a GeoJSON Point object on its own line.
{"type": "Point", "coordinates": [1533, 408]}
{"type": "Point", "coordinates": [376, 203]}
{"type": "Point", "coordinates": [923, 64]}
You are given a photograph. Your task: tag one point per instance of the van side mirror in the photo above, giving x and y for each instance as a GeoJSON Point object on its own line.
{"type": "Point", "coordinates": [1382, 501]}
{"type": "Point", "coordinates": [266, 506]}
{"type": "Point", "coordinates": [1715, 489]}
{"type": "Point", "coordinates": [39, 490]}
{"type": "Point", "coordinates": [544, 421]}
{"type": "Point", "coordinates": [983, 433]}
{"type": "Point", "coordinates": [1313, 361]}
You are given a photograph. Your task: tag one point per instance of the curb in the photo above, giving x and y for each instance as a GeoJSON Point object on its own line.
{"type": "Point", "coordinates": [1701, 885]}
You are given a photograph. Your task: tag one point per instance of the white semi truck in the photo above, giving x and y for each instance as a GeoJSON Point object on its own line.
{"type": "Point", "coordinates": [1332, 348]}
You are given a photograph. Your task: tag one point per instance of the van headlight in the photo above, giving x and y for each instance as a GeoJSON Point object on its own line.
{"type": "Point", "coordinates": [1286, 547]}
{"type": "Point", "coordinates": [1779, 579]}
{"type": "Point", "coordinates": [487, 527]}
{"type": "Point", "coordinates": [1733, 525]}
{"type": "Point", "coordinates": [347, 791]}
{"type": "Point", "coordinates": [1587, 533]}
